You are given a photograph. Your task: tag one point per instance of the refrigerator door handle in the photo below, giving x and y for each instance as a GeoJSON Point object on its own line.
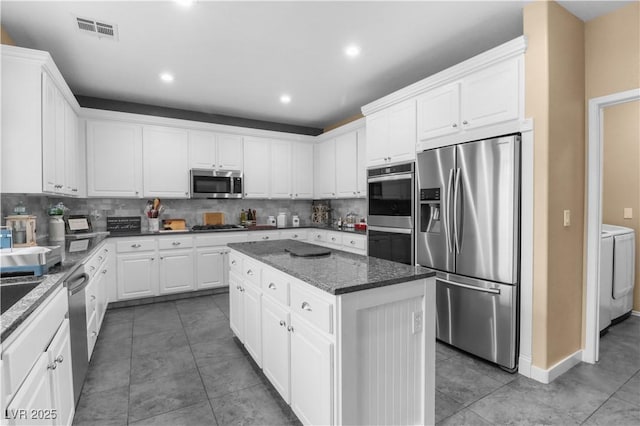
{"type": "Point", "coordinates": [447, 216]}
{"type": "Point", "coordinates": [471, 287]}
{"type": "Point", "coordinates": [456, 234]}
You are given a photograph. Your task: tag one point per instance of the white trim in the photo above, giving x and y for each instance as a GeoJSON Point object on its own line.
{"type": "Point", "coordinates": [635, 313]}
{"type": "Point", "coordinates": [346, 128]}
{"type": "Point", "coordinates": [549, 375]}
{"type": "Point", "coordinates": [500, 53]}
{"type": "Point", "coordinates": [526, 248]}
{"type": "Point", "coordinates": [594, 215]}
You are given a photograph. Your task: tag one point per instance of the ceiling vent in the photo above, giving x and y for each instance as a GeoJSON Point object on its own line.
{"type": "Point", "coordinates": [97, 28]}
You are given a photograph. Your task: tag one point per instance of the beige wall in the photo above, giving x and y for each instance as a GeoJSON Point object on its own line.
{"type": "Point", "coordinates": [621, 173]}
{"type": "Point", "coordinates": [612, 65]}
{"type": "Point", "coordinates": [554, 69]}
{"type": "Point", "coordinates": [5, 38]}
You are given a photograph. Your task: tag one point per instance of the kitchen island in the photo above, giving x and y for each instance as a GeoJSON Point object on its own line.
{"type": "Point", "coordinates": [344, 338]}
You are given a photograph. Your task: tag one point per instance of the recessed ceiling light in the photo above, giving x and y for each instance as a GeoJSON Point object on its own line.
{"type": "Point", "coordinates": [185, 3]}
{"type": "Point", "coordinates": [285, 99]}
{"type": "Point", "coordinates": [352, 51]}
{"type": "Point", "coordinates": [166, 77]}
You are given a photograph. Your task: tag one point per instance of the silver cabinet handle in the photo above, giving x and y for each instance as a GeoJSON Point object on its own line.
{"type": "Point", "coordinates": [93, 298]}
{"type": "Point", "coordinates": [318, 236]}
{"type": "Point", "coordinates": [100, 258]}
{"type": "Point", "coordinates": [454, 125]}
{"type": "Point", "coordinates": [242, 290]}
{"type": "Point", "coordinates": [52, 366]}
{"type": "Point", "coordinates": [59, 359]}
{"type": "Point", "coordinates": [237, 287]}
{"type": "Point", "coordinates": [295, 235]}
{"type": "Point", "coordinates": [465, 122]}
{"type": "Point", "coordinates": [282, 323]}
{"type": "Point", "coordinates": [233, 262]}
{"type": "Point", "coordinates": [306, 306]}
{"type": "Point", "coordinates": [92, 268]}
{"type": "Point", "coordinates": [249, 272]}
{"type": "Point", "coordinates": [290, 329]}
{"type": "Point", "coordinates": [176, 243]}
{"type": "Point", "coordinates": [352, 242]}
{"type": "Point", "coordinates": [266, 237]}
{"type": "Point", "coordinates": [272, 286]}
{"type": "Point", "coordinates": [104, 271]}
{"type": "Point", "coordinates": [136, 245]}
{"type": "Point", "coordinates": [94, 334]}
{"type": "Point", "coordinates": [333, 238]}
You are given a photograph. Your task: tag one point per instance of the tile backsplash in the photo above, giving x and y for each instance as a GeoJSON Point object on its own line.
{"type": "Point", "coordinates": [190, 210]}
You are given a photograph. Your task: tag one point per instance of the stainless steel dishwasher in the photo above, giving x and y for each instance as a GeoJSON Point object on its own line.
{"type": "Point", "coordinates": [76, 285]}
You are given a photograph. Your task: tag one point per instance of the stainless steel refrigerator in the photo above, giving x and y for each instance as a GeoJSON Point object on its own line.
{"type": "Point", "coordinates": [469, 231]}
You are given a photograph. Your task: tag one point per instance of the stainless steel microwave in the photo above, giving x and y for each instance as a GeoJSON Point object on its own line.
{"type": "Point", "coordinates": [207, 183]}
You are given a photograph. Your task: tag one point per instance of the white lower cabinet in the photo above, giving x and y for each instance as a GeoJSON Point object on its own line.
{"type": "Point", "coordinates": [236, 306]}
{"type": "Point", "coordinates": [137, 275]}
{"type": "Point", "coordinates": [252, 321]}
{"type": "Point", "coordinates": [210, 267]}
{"type": "Point", "coordinates": [36, 371]}
{"type": "Point", "coordinates": [276, 344]}
{"type": "Point", "coordinates": [311, 374]}
{"type": "Point", "coordinates": [176, 271]}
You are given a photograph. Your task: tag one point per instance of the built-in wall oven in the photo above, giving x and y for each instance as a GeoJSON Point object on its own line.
{"type": "Point", "coordinates": [390, 193]}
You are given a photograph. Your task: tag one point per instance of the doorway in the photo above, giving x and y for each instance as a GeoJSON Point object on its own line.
{"type": "Point", "coordinates": [596, 111]}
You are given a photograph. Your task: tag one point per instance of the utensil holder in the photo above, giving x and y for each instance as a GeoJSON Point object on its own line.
{"type": "Point", "coordinates": [154, 224]}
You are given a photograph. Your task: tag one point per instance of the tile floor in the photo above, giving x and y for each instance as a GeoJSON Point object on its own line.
{"type": "Point", "coordinates": [176, 363]}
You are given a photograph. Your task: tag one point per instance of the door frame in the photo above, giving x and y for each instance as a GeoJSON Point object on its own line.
{"type": "Point", "coordinates": [594, 215]}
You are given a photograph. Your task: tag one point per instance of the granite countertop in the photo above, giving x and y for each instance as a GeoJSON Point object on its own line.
{"type": "Point", "coordinates": [250, 229]}
{"type": "Point", "coordinates": [74, 253]}
{"type": "Point", "coordinates": [337, 273]}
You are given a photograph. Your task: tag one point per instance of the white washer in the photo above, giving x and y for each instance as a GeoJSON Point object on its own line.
{"type": "Point", "coordinates": [623, 270]}
{"type": "Point", "coordinates": [606, 279]}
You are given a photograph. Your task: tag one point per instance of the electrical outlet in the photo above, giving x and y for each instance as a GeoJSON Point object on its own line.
{"type": "Point", "coordinates": [567, 218]}
{"type": "Point", "coordinates": [417, 322]}
{"type": "Point", "coordinates": [628, 213]}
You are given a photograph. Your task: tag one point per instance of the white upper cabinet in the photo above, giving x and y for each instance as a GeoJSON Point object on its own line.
{"type": "Point", "coordinates": [439, 111]}
{"type": "Point", "coordinates": [114, 159]}
{"type": "Point", "coordinates": [39, 127]}
{"type": "Point", "coordinates": [346, 161]}
{"type": "Point", "coordinates": [362, 163]}
{"type": "Point", "coordinates": [257, 169]}
{"type": "Point", "coordinates": [165, 162]}
{"type": "Point", "coordinates": [280, 175]}
{"type": "Point", "coordinates": [302, 170]}
{"type": "Point", "coordinates": [208, 150]}
{"type": "Point", "coordinates": [391, 134]}
{"type": "Point", "coordinates": [324, 157]}
{"type": "Point", "coordinates": [229, 152]}
{"type": "Point", "coordinates": [486, 97]}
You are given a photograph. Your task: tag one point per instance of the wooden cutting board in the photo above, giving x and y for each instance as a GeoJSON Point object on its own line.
{"type": "Point", "coordinates": [174, 224]}
{"type": "Point", "coordinates": [213, 218]}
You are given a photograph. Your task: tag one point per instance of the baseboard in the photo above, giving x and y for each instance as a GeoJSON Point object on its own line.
{"type": "Point", "coordinates": [524, 366]}
{"type": "Point", "coordinates": [549, 375]}
{"type": "Point", "coordinates": [635, 313]}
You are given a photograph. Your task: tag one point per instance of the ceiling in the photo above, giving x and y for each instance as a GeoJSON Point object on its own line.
{"type": "Point", "coordinates": [238, 58]}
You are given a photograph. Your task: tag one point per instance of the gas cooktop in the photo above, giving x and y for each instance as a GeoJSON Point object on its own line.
{"type": "Point", "coordinates": [227, 227]}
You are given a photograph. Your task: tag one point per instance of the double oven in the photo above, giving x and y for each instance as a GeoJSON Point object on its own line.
{"type": "Point", "coordinates": [391, 191]}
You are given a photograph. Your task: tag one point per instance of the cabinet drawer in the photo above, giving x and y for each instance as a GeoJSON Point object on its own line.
{"type": "Point", "coordinates": [21, 354]}
{"type": "Point", "coordinates": [251, 271]}
{"type": "Point", "coordinates": [175, 243]}
{"type": "Point", "coordinates": [221, 239]}
{"type": "Point", "coordinates": [318, 236]}
{"type": "Point", "coordinates": [354, 241]}
{"type": "Point", "coordinates": [334, 238]}
{"type": "Point", "coordinates": [91, 298]}
{"type": "Point", "coordinates": [235, 263]}
{"type": "Point", "coordinates": [276, 285]}
{"type": "Point", "coordinates": [312, 308]}
{"type": "Point", "coordinates": [263, 235]}
{"type": "Point", "coordinates": [294, 234]}
{"type": "Point", "coordinates": [131, 246]}
{"type": "Point", "coordinates": [92, 334]}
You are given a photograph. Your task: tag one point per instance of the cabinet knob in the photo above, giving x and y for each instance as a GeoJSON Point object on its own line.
{"type": "Point", "coordinates": [52, 366]}
{"type": "Point", "coordinates": [93, 298]}
{"type": "Point", "coordinates": [176, 243]}
{"type": "Point", "coordinates": [306, 306]}
{"type": "Point", "coordinates": [296, 195]}
{"type": "Point", "coordinates": [137, 192]}
{"type": "Point", "coordinates": [104, 271]}
{"type": "Point", "coordinates": [59, 359]}
{"type": "Point", "coordinates": [354, 192]}
{"type": "Point", "coordinates": [266, 237]}
{"type": "Point", "coordinates": [100, 258]}
{"type": "Point", "coordinates": [290, 329]}
{"type": "Point", "coordinates": [186, 193]}
{"type": "Point", "coordinates": [233, 262]}
{"type": "Point", "coordinates": [245, 194]}
{"type": "Point", "coordinates": [136, 245]}
{"type": "Point", "coordinates": [249, 272]}
{"type": "Point", "coordinates": [237, 287]}
{"type": "Point", "coordinates": [465, 122]}
{"type": "Point", "coordinates": [333, 238]}
{"type": "Point", "coordinates": [272, 286]}
{"type": "Point", "coordinates": [282, 323]}
{"type": "Point", "coordinates": [454, 125]}
{"type": "Point", "coordinates": [353, 242]}
{"type": "Point", "coordinates": [333, 193]}
{"type": "Point", "coordinates": [295, 235]}
{"type": "Point", "coordinates": [92, 268]}
{"type": "Point", "coordinates": [75, 189]}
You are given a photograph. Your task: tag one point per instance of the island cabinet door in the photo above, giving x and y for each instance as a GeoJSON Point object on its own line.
{"type": "Point", "coordinates": [34, 399]}
{"type": "Point", "coordinates": [311, 374]}
{"type": "Point", "coordinates": [276, 346]}
{"type": "Point", "coordinates": [252, 322]}
{"type": "Point", "coordinates": [236, 307]}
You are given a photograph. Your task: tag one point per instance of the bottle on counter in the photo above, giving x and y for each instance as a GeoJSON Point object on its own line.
{"type": "Point", "coordinates": [271, 220]}
{"type": "Point", "coordinates": [295, 220]}
{"type": "Point", "coordinates": [282, 220]}
{"type": "Point", "coordinates": [243, 217]}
